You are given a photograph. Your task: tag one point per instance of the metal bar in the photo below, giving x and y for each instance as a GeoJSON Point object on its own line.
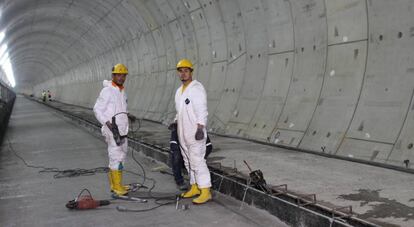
{"type": "Point", "coordinates": [250, 169]}
{"type": "Point", "coordinates": [305, 199]}
{"type": "Point", "coordinates": [280, 189]}
{"type": "Point", "coordinates": [347, 210]}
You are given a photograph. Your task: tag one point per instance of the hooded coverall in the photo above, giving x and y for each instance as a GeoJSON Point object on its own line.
{"type": "Point", "coordinates": [191, 107]}
{"type": "Point", "coordinates": [113, 100]}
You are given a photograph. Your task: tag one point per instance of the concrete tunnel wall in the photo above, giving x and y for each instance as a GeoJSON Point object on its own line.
{"type": "Point", "coordinates": [333, 76]}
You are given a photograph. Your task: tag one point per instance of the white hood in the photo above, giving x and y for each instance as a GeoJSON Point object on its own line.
{"type": "Point", "coordinates": [107, 83]}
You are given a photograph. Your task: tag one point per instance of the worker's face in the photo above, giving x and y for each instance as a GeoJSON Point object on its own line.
{"type": "Point", "coordinates": [119, 79]}
{"type": "Point", "coordinates": [185, 74]}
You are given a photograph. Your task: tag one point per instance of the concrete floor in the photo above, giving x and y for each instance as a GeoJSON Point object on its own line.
{"type": "Point", "coordinates": [45, 138]}
{"type": "Point", "coordinates": [383, 196]}
{"type": "Point", "coordinates": [376, 194]}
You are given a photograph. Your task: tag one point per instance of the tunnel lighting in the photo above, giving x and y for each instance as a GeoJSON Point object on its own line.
{"type": "Point", "coordinates": [1, 36]}
{"type": "Point", "coordinates": [5, 61]}
{"type": "Point", "coordinates": [8, 69]}
{"type": "Point", "coordinates": [3, 49]}
{"type": "Point", "coordinates": [3, 58]}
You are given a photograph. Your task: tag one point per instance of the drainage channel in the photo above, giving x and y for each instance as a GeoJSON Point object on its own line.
{"type": "Point", "coordinates": [294, 209]}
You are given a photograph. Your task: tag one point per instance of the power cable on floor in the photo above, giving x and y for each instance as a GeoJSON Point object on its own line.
{"type": "Point", "coordinates": [171, 199]}
{"type": "Point", "coordinates": [146, 178]}
{"type": "Point", "coordinates": [88, 172]}
{"type": "Point", "coordinates": [60, 173]}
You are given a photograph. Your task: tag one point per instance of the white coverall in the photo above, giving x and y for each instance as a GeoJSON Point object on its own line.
{"type": "Point", "coordinates": [191, 107]}
{"type": "Point", "coordinates": [113, 100]}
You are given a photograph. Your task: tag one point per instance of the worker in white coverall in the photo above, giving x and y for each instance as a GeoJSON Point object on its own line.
{"type": "Point", "coordinates": [191, 119]}
{"type": "Point", "coordinates": [112, 101]}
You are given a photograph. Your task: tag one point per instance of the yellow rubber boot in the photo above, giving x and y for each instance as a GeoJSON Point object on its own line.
{"type": "Point", "coordinates": [111, 184]}
{"type": "Point", "coordinates": [204, 197]}
{"type": "Point", "coordinates": [194, 190]}
{"type": "Point", "coordinates": [116, 176]}
{"type": "Point", "coordinates": [126, 187]}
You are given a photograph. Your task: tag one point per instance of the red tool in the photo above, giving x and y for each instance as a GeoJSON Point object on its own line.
{"type": "Point", "coordinates": [83, 202]}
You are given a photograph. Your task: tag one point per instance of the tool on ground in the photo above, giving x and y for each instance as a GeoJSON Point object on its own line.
{"type": "Point", "coordinates": [257, 179]}
{"type": "Point", "coordinates": [129, 198]}
{"type": "Point", "coordinates": [134, 187]}
{"type": "Point", "coordinates": [180, 204]}
{"type": "Point", "coordinates": [177, 202]}
{"type": "Point", "coordinates": [84, 202]}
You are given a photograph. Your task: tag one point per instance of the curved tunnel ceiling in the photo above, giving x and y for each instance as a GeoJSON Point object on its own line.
{"type": "Point", "coordinates": [335, 77]}
{"type": "Point", "coordinates": [70, 31]}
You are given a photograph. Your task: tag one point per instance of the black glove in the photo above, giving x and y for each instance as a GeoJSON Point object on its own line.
{"type": "Point", "coordinates": [172, 126]}
{"type": "Point", "coordinates": [199, 134]}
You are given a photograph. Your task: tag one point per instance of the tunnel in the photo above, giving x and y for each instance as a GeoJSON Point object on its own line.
{"type": "Point", "coordinates": [331, 78]}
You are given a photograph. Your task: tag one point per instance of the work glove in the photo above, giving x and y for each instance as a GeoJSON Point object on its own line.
{"type": "Point", "coordinates": [172, 126]}
{"type": "Point", "coordinates": [199, 134]}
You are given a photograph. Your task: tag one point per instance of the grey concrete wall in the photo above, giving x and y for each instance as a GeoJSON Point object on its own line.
{"type": "Point", "coordinates": [7, 98]}
{"type": "Point", "coordinates": [332, 76]}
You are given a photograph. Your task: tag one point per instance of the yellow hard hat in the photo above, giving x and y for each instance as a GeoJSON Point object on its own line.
{"type": "Point", "coordinates": [120, 69]}
{"type": "Point", "coordinates": [184, 63]}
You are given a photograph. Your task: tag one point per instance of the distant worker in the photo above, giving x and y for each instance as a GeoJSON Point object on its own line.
{"type": "Point", "coordinates": [112, 102]}
{"type": "Point", "coordinates": [191, 119]}
{"type": "Point", "coordinates": [49, 95]}
{"type": "Point", "coordinates": [44, 96]}
{"type": "Point", "coordinates": [176, 157]}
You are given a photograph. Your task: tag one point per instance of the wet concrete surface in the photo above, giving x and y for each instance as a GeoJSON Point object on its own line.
{"type": "Point", "coordinates": [380, 207]}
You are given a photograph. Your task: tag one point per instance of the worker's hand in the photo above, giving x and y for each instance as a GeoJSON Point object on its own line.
{"type": "Point", "coordinates": [132, 117]}
{"type": "Point", "coordinates": [199, 134]}
{"type": "Point", "coordinates": [172, 126]}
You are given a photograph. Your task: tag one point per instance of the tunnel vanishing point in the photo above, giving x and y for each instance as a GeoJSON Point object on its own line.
{"type": "Point", "coordinates": [334, 77]}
